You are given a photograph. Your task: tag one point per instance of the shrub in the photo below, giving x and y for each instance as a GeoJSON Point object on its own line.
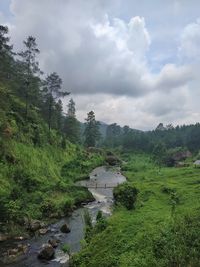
{"type": "Point", "coordinates": [179, 243]}
{"type": "Point", "coordinates": [125, 194]}
{"type": "Point", "coordinates": [66, 248]}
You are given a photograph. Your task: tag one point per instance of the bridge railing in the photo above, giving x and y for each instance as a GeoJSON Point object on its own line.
{"type": "Point", "coordinates": [102, 185]}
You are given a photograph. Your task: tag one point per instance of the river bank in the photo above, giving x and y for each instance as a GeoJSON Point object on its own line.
{"type": "Point", "coordinates": [103, 201]}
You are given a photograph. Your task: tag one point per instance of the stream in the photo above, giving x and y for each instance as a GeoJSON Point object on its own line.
{"type": "Point", "coordinates": [103, 201]}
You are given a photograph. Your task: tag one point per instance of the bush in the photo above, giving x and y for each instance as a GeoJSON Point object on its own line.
{"type": "Point", "coordinates": [179, 243]}
{"type": "Point", "coordinates": [66, 248]}
{"type": "Point", "coordinates": [125, 194]}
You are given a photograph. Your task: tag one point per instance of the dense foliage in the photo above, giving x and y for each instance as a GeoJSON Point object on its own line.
{"type": "Point", "coordinates": [156, 219]}
{"type": "Point", "coordinates": [125, 194]}
{"type": "Point", "coordinates": [38, 163]}
{"type": "Point", "coordinates": [163, 229]}
{"type": "Point", "coordinates": [169, 137]}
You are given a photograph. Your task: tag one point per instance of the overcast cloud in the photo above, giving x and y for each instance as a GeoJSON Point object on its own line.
{"type": "Point", "coordinates": [131, 62]}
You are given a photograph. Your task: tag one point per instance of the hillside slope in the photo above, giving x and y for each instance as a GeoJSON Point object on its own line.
{"type": "Point", "coordinates": [164, 228]}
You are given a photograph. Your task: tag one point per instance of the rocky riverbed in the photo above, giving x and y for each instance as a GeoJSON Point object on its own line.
{"type": "Point", "coordinates": [46, 246]}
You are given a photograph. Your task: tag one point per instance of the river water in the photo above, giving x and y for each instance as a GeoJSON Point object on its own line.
{"type": "Point", "coordinates": [103, 201]}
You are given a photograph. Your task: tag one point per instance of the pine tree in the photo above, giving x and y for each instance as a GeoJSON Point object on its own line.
{"type": "Point", "coordinates": [30, 68]}
{"type": "Point", "coordinates": [52, 91]}
{"type": "Point", "coordinates": [72, 125]}
{"type": "Point", "coordinates": [6, 53]}
{"type": "Point", "coordinates": [91, 132]}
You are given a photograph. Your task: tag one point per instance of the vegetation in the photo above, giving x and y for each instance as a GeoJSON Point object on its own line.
{"type": "Point", "coordinates": [157, 141]}
{"type": "Point", "coordinates": [125, 194]}
{"type": "Point", "coordinates": [162, 230]}
{"type": "Point", "coordinates": [71, 124]}
{"type": "Point", "coordinates": [38, 163]}
{"type": "Point", "coordinates": [42, 154]}
{"type": "Point", "coordinates": [91, 132]}
{"type": "Point", "coordinates": [66, 248]}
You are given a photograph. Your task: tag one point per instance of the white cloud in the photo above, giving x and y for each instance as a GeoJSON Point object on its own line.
{"type": "Point", "coordinates": [103, 55]}
{"type": "Point", "coordinates": [190, 42]}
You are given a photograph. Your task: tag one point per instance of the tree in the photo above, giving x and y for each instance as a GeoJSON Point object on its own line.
{"type": "Point", "coordinates": [160, 127]}
{"type": "Point", "coordinates": [159, 153]}
{"type": "Point", "coordinates": [113, 132]}
{"type": "Point", "coordinates": [71, 124]}
{"type": "Point", "coordinates": [53, 90]}
{"type": "Point", "coordinates": [91, 132]}
{"type": "Point", "coordinates": [5, 53]}
{"type": "Point", "coordinates": [30, 67]}
{"type": "Point", "coordinates": [58, 116]}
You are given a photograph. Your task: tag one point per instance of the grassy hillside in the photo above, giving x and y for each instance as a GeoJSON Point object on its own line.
{"type": "Point", "coordinates": [39, 182]}
{"type": "Point", "coordinates": [163, 229]}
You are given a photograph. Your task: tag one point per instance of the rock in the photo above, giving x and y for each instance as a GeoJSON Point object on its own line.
{"type": "Point", "coordinates": [47, 252]}
{"type": "Point", "coordinates": [19, 238]}
{"type": "Point", "coordinates": [54, 242]}
{"type": "Point", "coordinates": [3, 237]}
{"type": "Point", "coordinates": [13, 251]}
{"type": "Point", "coordinates": [23, 248]}
{"type": "Point", "coordinates": [34, 225]}
{"type": "Point", "coordinates": [43, 225]}
{"type": "Point", "coordinates": [13, 255]}
{"type": "Point", "coordinates": [55, 215]}
{"type": "Point", "coordinates": [181, 164]}
{"type": "Point", "coordinates": [43, 231]}
{"type": "Point", "coordinates": [112, 160]}
{"type": "Point", "coordinates": [182, 155]}
{"type": "Point", "coordinates": [65, 229]}
{"type": "Point", "coordinates": [20, 249]}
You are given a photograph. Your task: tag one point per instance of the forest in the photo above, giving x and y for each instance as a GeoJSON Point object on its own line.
{"type": "Point", "coordinates": [45, 150]}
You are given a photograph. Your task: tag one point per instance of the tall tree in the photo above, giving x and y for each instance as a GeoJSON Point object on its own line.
{"type": "Point", "coordinates": [113, 132]}
{"type": "Point", "coordinates": [5, 53]}
{"type": "Point", "coordinates": [91, 132]}
{"type": "Point", "coordinates": [72, 125]}
{"type": "Point", "coordinates": [52, 91]}
{"type": "Point", "coordinates": [30, 68]}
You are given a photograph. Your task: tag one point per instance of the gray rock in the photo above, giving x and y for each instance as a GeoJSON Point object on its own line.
{"type": "Point", "coordinates": [47, 252]}
{"type": "Point", "coordinates": [34, 225]}
{"type": "Point", "coordinates": [65, 229]}
{"type": "Point", "coordinates": [14, 254]}
{"type": "Point", "coordinates": [43, 231]}
{"type": "Point", "coordinates": [54, 242]}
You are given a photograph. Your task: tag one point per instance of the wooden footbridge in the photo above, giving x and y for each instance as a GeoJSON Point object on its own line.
{"type": "Point", "coordinates": [99, 185]}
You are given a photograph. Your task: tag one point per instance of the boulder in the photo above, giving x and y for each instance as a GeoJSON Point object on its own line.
{"type": "Point", "coordinates": [23, 247]}
{"type": "Point", "coordinates": [3, 237]}
{"type": "Point", "coordinates": [181, 164]}
{"type": "Point", "coordinates": [54, 242]}
{"type": "Point", "coordinates": [182, 155]}
{"type": "Point", "coordinates": [34, 225]}
{"type": "Point", "coordinates": [65, 229]}
{"type": "Point", "coordinates": [14, 254]}
{"type": "Point", "coordinates": [43, 231]}
{"type": "Point", "coordinates": [46, 253]}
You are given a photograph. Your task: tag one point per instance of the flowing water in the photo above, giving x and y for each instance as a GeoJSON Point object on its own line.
{"type": "Point", "coordinates": [103, 201]}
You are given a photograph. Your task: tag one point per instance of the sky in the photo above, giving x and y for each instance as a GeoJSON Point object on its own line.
{"type": "Point", "coordinates": [132, 62]}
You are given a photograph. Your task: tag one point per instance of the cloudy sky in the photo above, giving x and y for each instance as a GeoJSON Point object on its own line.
{"type": "Point", "coordinates": [132, 62]}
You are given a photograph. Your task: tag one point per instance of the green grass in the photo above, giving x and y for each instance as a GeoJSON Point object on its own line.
{"type": "Point", "coordinates": [40, 182]}
{"type": "Point", "coordinates": [161, 230]}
